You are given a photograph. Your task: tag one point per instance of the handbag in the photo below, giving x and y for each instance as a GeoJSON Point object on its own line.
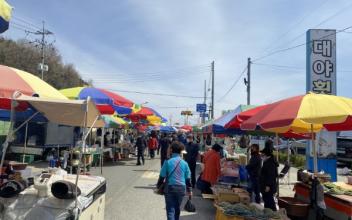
{"type": "Point", "coordinates": [189, 207]}
{"type": "Point", "coordinates": [161, 189]}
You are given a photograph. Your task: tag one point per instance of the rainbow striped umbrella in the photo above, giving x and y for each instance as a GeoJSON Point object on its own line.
{"type": "Point", "coordinates": [107, 102]}
{"type": "Point", "coordinates": [5, 15]}
{"type": "Point", "coordinates": [13, 80]}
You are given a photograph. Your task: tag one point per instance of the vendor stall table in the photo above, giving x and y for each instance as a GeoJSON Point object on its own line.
{"type": "Point", "coordinates": [338, 207]}
{"type": "Point", "coordinates": [27, 205]}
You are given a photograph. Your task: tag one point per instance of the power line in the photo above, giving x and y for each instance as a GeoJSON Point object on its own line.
{"type": "Point", "coordinates": [162, 72]}
{"type": "Point", "coordinates": [233, 85]}
{"type": "Point", "coordinates": [307, 15]}
{"type": "Point", "coordinates": [322, 22]}
{"type": "Point", "coordinates": [26, 22]}
{"type": "Point", "coordinates": [278, 66]}
{"type": "Point", "coordinates": [173, 107]}
{"type": "Point", "coordinates": [299, 45]}
{"type": "Point", "coordinates": [159, 94]}
{"type": "Point", "coordinates": [143, 78]}
{"type": "Point", "coordinates": [291, 67]}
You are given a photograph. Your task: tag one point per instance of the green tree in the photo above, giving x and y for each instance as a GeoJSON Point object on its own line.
{"type": "Point", "coordinates": [25, 55]}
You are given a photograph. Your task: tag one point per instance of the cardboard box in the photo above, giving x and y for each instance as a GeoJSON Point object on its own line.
{"type": "Point", "coordinates": [228, 197]}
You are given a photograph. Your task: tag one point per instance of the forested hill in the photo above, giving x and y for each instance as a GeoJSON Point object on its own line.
{"type": "Point", "coordinates": [26, 56]}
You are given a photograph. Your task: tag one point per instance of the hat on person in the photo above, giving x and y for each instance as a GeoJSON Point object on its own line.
{"type": "Point", "coordinates": [269, 147]}
{"type": "Point", "coordinates": [189, 136]}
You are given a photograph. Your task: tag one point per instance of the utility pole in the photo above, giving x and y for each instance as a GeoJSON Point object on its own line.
{"type": "Point", "coordinates": [205, 100]}
{"type": "Point", "coordinates": [212, 88]}
{"type": "Point", "coordinates": [170, 120]}
{"type": "Point", "coordinates": [42, 67]}
{"type": "Point", "coordinates": [247, 81]}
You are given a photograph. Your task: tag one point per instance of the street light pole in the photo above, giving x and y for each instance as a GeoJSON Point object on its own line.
{"type": "Point", "coordinates": [249, 81]}
{"type": "Point", "coordinates": [212, 88]}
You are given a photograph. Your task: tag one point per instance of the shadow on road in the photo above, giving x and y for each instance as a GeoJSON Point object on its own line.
{"type": "Point", "coordinates": [145, 187]}
{"type": "Point", "coordinates": [146, 170]}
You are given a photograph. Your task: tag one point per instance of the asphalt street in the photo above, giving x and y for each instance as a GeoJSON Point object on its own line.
{"type": "Point", "coordinates": [130, 193]}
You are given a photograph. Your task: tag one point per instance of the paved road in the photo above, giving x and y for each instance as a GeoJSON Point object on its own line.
{"type": "Point", "coordinates": [130, 195]}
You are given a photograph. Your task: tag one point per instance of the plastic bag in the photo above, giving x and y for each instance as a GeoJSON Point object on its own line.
{"type": "Point", "coordinates": [189, 207]}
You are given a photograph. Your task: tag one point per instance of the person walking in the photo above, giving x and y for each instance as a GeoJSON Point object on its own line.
{"type": "Point", "coordinates": [141, 145]}
{"type": "Point", "coordinates": [176, 174]}
{"type": "Point", "coordinates": [254, 166]}
{"type": "Point", "coordinates": [191, 157]}
{"type": "Point", "coordinates": [268, 176]}
{"type": "Point", "coordinates": [152, 144]}
{"type": "Point", "coordinates": [164, 145]}
{"type": "Point", "coordinates": [212, 171]}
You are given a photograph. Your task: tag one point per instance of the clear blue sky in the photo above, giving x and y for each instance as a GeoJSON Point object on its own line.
{"type": "Point", "coordinates": [167, 46]}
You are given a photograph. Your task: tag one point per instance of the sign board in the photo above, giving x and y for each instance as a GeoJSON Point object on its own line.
{"type": "Point", "coordinates": [326, 144]}
{"type": "Point", "coordinates": [186, 113]}
{"type": "Point", "coordinates": [321, 78]}
{"type": "Point", "coordinates": [201, 108]}
{"type": "Point", "coordinates": [204, 115]}
{"type": "Point", "coordinates": [321, 61]}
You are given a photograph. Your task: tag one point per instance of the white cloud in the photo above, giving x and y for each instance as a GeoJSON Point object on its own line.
{"type": "Point", "coordinates": [154, 36]}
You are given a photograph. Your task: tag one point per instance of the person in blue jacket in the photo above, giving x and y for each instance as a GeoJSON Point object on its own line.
{"type": "Point", "coordinates": [177, 175]}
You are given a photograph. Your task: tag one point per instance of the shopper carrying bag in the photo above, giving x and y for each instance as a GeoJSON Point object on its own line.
{"type": "Point", "coordinates": [176, 183]}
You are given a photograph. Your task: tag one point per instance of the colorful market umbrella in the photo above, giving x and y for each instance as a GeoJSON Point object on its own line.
{"type": "Point", "coordinates": [140, 114]}
{"type": "Point", "coordinates": [308, 113]}
{"type": "Point", "coordinates": [13, 80]}
{"type": "Point", "coordinates": [187, 128]}
{"type": "Point", "coordinates": [237, 119]}
{"type": "Point", "coordinates": [221, 125]}
{"type": "Point", "coordinates": [146, 115]}
{"type": "Point", "coordinates": [5, 15]}
{"type": "Point", "coordinates": [106, 101]}
{"type": "Point", "coordinates": [113, 121]}
{"type": "Point", "coordinates": [163, 129]}
{"type": "Point", "coordinates": [304, 114]}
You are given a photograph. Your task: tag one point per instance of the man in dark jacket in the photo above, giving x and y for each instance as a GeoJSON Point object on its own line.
{"type": "Point", "coordinates": [268, 176]}
{"type": "Point", "coordinates": [191, 157]}
{"type": "Point", "coordinates": [141, 144]}
{"type": "Point", "coordinates": [253, 168]}
{"type": "Point", "coordinates": [164, 145]}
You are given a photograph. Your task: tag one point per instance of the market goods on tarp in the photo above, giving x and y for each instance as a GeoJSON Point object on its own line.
{"type": "Point", "coordinates": [248, 211]}
{"type": "Point", "coordinates": [331, 188]}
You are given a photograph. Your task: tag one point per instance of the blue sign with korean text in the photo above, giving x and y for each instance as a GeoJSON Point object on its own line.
{"type": "Point", "coordinates": [201, 108]}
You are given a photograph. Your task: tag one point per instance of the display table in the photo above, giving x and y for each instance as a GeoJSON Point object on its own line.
{"type": "Point", "coordinates": [27, 205]}
{"type": "Point", "coordinates": [338, 207]}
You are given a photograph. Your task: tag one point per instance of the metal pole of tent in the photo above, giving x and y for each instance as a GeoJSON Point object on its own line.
{"type": "Point", "coordinates": [277, 159]}
{"type": "Point", "coordinates": [25, 143]}
{"type": "Point", "coordinates": [102, 149]}
{"type": "Point", "coordinates": [315, 156]}
{"type": "Point", "coordinates": [288, 159]}
{"type": "Point", "coordinates": [80, 154]}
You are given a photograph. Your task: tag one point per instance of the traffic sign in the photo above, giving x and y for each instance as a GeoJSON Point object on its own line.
{"type": "Point", "coordinates": [204, 115]}
{"type": "Point", "coordinates": [201, 108]}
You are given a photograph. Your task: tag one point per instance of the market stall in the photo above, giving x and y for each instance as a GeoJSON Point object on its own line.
{"type": "Point", "coordinates": [78, 196]}
{"type": "Point", "coordinates": [337, 196]}
{"type": "Point", "coordinates": [309, 113]}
